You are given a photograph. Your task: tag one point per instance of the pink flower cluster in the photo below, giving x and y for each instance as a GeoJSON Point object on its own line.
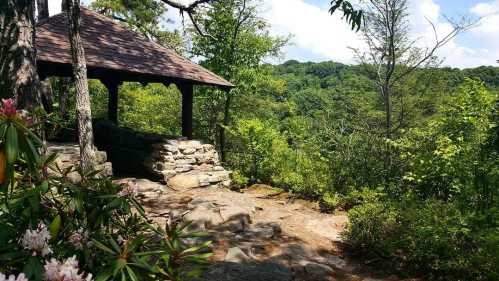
{"type": "Point", "coordinates": [130, 190]}
{"type": "Point", "coordinates": [64, 271]}
{"type": "Point", "coordinates": [9, 110]}
{"type": "Point", "coordinates": [8, 107]}
{"type": "Point", "coordinates": [37, 240]}
{"type": "Point", "coordinates": [12, 277]}
{"type": "Point", "coordinates": [79, 239]}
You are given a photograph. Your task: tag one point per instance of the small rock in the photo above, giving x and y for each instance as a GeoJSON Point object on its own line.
{"type": "Point", "coordinates": [184, 181]}
{"type": "Point", "coordinates": [189, 151]}
{"type": "Point", "coordinates": [317, 271]}
{"type": "Point", "coordinates": [218, 168]}
{"type": "Point", "coordinates": [236, 255]}
{"type": "Point", "coordinates": [183, 168]}
{"type": "Point", "coordinates": [228, 271]}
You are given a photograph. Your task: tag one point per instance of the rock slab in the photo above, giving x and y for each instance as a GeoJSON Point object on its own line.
{"type": "Point", "coordinates": [68, 154]}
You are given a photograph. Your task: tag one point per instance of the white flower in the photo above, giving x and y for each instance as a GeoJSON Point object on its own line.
{"type": "Point", "coordinates": [12, 277]}
{"type": "Point", "coordinates": [129, 190]}
{"type": "Point", "coordinates": [79, 239]}
{"type": "Point", "coordinates": [66, 271]}
{"type": "Point", "coordinates": [37, 240]}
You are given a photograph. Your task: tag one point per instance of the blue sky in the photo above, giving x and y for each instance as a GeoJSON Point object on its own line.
{"type": "Point", "coordinates": [318, 36]}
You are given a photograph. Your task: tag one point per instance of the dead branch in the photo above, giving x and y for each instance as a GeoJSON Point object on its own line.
{"type": "Point", "coordinates": [190, 10]}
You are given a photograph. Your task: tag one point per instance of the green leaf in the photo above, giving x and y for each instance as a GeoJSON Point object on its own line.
{"type": "Point", "coordinates": [103, 247]}
{"type": "Point", "coordinates": [131, 273]}
{"type": "Point", "coordinates": [119, 264]}
{"type": "Point", "coordinates": [55, 226]}
{"type": "Point", "coordinates": [11, 145]}
{"type": "Point", "coordinates": [104, 274]}
{"type": "Point", "coordinates": [33, 269]}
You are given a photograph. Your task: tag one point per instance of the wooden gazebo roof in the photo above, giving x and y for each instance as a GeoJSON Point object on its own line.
{"type": "Point", "coordinates": [113, 51]}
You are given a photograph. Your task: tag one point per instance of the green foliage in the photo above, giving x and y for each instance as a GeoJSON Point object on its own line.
{"type": "Point", "coordinates": [152, 109]}
{"type": "Point", "coordinates": [372, 227]}
{"type": "Point", "coordinates": [237, 44]}
{"type": "Point", "coordinates": [268, 158]}
{"type": "Point", "coordinates": [353, 16]}
{"type": "Point", "coordinates": [445, 206]}
{"type": "Point", "coordinates": [94, 225]}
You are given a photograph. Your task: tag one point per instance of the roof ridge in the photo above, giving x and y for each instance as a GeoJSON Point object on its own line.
{"type": "Point", "coordinates": [115, 46]}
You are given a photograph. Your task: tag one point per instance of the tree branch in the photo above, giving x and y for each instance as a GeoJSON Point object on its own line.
{"type": "Point", "coordinates": [190, 10]}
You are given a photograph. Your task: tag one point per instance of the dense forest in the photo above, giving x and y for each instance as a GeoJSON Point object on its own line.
{"type": "Point", "coordinates": [407, 148]}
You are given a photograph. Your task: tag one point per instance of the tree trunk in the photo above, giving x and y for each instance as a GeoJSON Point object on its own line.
{"type": "Point", "coordinates": [227, 104]}
{"type": "Point", "coordinates": [83, 109]}
{"type": "Point", "coordinates": [64, 97]}
{"type": "Point", "coordinates": [43, 9]}
{"type": "Point", "coordinates": [388, 111]}
{"type": "Point", "coordinates": [18, 73]}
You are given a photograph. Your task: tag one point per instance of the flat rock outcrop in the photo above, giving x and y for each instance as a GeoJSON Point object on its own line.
{"type": "Point", "coordinates": [68, 154]}
{"type": "Point", "coordinates": [260, 234]}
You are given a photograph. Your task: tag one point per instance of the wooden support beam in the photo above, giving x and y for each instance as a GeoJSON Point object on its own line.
{"type": "Point", "coordinates": [187, 91]}
{"type": "Point", "coordinates": [112, 105]}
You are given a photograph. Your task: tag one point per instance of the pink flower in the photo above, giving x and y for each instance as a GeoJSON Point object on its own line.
{"type": "Point", "coordinates": [130, 190]}
{"type": "Point", "coordinates": [79, 239]}
{"type": "Point", "coordinates": [65, 271]}
{"type": "Point", "coordinates": [8, 107]}
{"type": "Point", "coordinates": [12, 277]}
{"type": "Point", "coordinates": [37, 240]}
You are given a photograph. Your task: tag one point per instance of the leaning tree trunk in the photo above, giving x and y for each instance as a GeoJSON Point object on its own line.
{"type": "Point", "coordinates": [83, 109]}
{"type": "Point", "coordinates": [18, 73]}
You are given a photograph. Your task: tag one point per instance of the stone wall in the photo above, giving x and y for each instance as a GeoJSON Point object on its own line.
{"type": "Point", "coordinates": [68, 154]}
{"type": "Point", "coordinates": [176, 161]}
{"type": "Point", "coordinates": [187, 164]}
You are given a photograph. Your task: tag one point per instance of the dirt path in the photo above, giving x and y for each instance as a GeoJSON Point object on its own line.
{"type": "Point", "coordinates": [259, 236]}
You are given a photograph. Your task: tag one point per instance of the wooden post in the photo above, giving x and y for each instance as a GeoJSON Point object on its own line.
{"type": "Point", "coordinates": [187, 102]}
{"type": "Point", "coordinates": [112, 104]}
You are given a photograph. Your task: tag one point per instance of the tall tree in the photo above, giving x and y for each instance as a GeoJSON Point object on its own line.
{"type": "Point", "coordinates": [83, 108]}
{"type": "Point", "coordinates": [238, 39]}
{"type": "Point", "coordinates": [394, 56]}
{"type": "Point", "coordinates": [18, 73]}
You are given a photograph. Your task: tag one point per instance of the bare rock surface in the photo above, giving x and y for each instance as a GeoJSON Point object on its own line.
{"type": "Point", "coordinates": [68, 154]}
{"type": "Point", "coordinates": [260, 234]}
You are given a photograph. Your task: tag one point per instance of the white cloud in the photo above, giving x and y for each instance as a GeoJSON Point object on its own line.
{"type": "Point", "coordinates": [328, 36]}
{"type": "Point", "coordinates": [313, 28]}
{"type": "Point", "coordinates": [489, 23]}
{"type": "Point", "coordinates": [54, 6]}
{"type": "Point", "coordinates": [486, 8]}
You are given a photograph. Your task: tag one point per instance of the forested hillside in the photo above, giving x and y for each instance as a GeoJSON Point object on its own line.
{"type": "Point", "coordinates": [316, 129]}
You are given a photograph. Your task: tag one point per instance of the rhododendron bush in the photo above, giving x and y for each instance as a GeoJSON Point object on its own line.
{"type": "Point", "coordinates": [56, 230]}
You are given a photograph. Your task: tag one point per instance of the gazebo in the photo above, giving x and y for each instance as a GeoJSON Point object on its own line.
{"type": "Point", "coordinates": [114, 55]}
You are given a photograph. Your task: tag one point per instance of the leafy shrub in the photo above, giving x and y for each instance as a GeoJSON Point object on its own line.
{"type": "Point", "coordinates": [431, 238]}
{"type": "Point", "coordinates": [262, 154]}
{"type": "Point", "coordinates": [352, 198]}
{"type": "Point", "coordinates": [53, 229]}
{"type": "Point", "coordinates": [441, 219]}
{"type": "Point", "coordinates": [372, 228]}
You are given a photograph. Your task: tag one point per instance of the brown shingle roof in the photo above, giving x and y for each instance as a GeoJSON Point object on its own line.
{"type": "Point", "coordinates": [116, 50]}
